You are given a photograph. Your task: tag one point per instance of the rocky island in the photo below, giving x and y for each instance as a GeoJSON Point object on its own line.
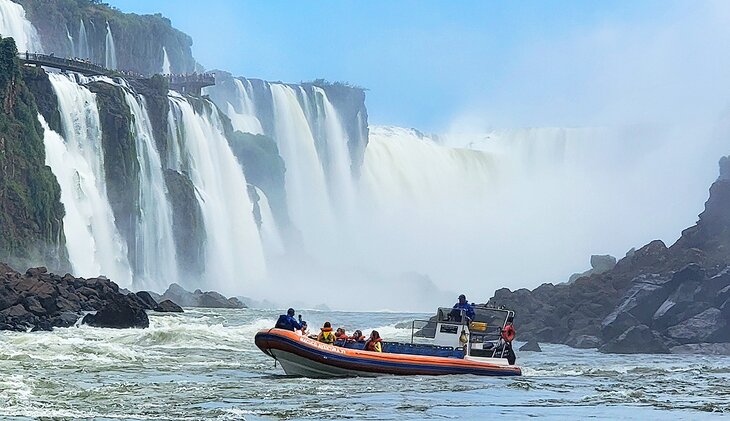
{"type": "Point", "coordinates": [657, 299]}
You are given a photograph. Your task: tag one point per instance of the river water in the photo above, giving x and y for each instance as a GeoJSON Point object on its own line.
{"type": "Point", "coordinates": [203, 364]}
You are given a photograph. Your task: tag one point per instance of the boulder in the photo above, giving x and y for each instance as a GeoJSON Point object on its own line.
{"type": "Point", "coordinates": [584, 341]}
{"type": "Point", "coordinates": [636, 340]}
{"type": "Point", "coordinates": [148, 302]}
{"type": "Point", "coordinates": [702, 348]}
{"type": "Point", "coordinates": [601, 263]}
{"type": "Point", "coordinates": [533, 346]}
{"type": "Point", "coordinates": [198, 298]}
{"type": "Point", "coordinates": [118, 314]}
{"type": "Point", "coordinates": [167, 306]}
{"type": "Point", "coordinates": [708, 326]}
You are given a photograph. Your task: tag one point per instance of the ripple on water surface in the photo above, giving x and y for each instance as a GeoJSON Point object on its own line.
{"type": "Point", "coordinates": [203, 364]}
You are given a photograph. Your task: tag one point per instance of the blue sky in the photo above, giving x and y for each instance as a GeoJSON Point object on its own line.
{"type": "Point", "coordinates": [438, 65]}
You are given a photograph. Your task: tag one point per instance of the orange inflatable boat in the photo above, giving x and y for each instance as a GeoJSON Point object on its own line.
{"type": "Point", "coordinates": [446, 346]}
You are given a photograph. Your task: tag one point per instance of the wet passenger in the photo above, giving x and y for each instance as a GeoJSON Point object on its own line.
{"type": "Point", "coordinates": [374, 342]}
{"type": "Point", "coordinates": [288, 322]}
{"type": "Point", "coordinates": [340, 334]}
{"type": "Point", "coordinates": [326, 336]}
{"type": "Point", "coordinates": [357, 336]}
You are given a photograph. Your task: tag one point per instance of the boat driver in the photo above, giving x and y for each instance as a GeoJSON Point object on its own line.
{"type": "Point", "coordinates": [288, 322]}
{"type": "Point", "coordinates": [464, 305]}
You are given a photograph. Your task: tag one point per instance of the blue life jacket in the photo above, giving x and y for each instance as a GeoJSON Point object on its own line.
{"type": "Point", "coordinates": [468, 309]}
{"type": "Point", "coordinates": [287, 322]}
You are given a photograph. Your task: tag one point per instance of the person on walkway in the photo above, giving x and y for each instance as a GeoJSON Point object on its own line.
{"type": "Point", "coordinates": [374, 342]}
{"type": "Point", "coordinates": [288, 322]}
{"type": "Point", "coordinates": [326, 335]}
{"type": "Point", "coordinates": [464, 305]}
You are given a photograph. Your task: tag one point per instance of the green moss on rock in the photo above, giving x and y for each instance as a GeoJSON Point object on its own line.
{"type": "Point", "coordinates": [37, 81]}
{"type": "Point", "coordinates": [31, 213]}
{"type": "Point", "coordinates": [120, 158]}
{"type": "Point", "coordinates": [264, 168]}
{"type": "Point", "coordinates": [188, 221]}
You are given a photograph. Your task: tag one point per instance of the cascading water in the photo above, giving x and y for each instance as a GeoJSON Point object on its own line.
{"type": "Point", "coordinates": [270, 235]}
{"type": "Point", "coordinates": [234, 254]}
{"type": "Point", "coordinates": [306, 187]}
{"type": "Point", "coordinates": [13, 23]}
{"type": "Point", "coordinates": [111, 52]}
{"type": "Point", "coordinates": [70, 40]}
{"type": "Point", "coordinates": [94, 244]}
{"type": "Point", "coordinates": [165, 62]}
{"type": "Point", "coordinates": [82, 49]}
{"type": "Point", "coordinates": [155, 260]}
{"type": "Point", "coordinates": [342, 191]}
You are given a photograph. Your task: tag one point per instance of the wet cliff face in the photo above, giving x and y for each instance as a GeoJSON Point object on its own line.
{"type": "Point", "coordinates": [138, 39]}
{"type": "Point", "coordinates": [31, 212]}
{"type": "Point", "coordinates": [350, 104]}
{"type": "Point", "coordinates": [121, 167]}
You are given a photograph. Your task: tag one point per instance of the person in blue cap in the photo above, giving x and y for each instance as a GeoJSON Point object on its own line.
{"type": "Point", "coordinates": [288, 322]}
{"type": "Point", "coordinates": [462, 305]}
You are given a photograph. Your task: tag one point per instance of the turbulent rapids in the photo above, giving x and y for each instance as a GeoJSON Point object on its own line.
{"type": "Point", "coordinates": [207, 360]}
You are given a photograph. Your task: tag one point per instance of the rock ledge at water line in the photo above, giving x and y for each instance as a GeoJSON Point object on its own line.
{"type": "Point", "coordinates": [39, 300]}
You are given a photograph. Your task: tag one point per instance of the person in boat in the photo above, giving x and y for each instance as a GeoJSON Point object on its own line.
{"type": "Point", "coordinates": [340, 334]}
{"type": "Point", "coordinates": [288, 322]}
{"type": "Point", "coordinates": [374, 342]}
{"type": "Point", "coordinates": [325, 335]}
{"type": "Point", "coordinates": [357, 336]}
{"type": "Point", "coordinates": [305, 328]}
{"type": "Point", "coordinates": [464, 305]}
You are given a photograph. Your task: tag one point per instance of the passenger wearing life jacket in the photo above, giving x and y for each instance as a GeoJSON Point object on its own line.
{"type": "Point", "coordinates": [374, 342]}
{"type": "Point", "coordinates": [288, 322]}
{"type": "Point", "coordinates": [357, 336]}
{"type": "Point", "coordinates": [326, 336]}
{"type": "Point", "coordinates": [340, 334]}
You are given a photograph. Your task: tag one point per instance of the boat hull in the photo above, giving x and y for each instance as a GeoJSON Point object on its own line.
{"type": "Point", "coordinates": [302, 356]}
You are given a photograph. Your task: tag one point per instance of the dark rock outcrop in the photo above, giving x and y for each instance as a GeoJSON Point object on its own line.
{"type": "Point", "coordinates": [669, 296]}
{"type": "Point", "coordinates": [39, 300]}
{"type": "Point", "coordinates": [638, 339]}
{"type": "Point", "coordinates": [121, 313]}
{"type": "Point", "coordinates": [167, 306]}
{"type": "Point", "coordinates": [533, 346]}
{"type": "Point", "coordinates": [198, 298]}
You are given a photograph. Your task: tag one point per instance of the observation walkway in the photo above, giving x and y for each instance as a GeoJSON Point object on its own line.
{"type": "Point", "coordinates": [183, 83]}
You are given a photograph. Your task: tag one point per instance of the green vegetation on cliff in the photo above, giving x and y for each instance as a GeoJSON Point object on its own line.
{"type": "Point", "coordinates": [188, 221]}
{"type": "Point", "coordinates": [138, 38]}
{"type": "Point", "coordinates": [31, 213]}
{"type": "Point", "coordinates": [264, 168]}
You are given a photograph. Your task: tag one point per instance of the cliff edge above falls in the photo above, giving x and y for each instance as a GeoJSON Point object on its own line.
{"type": "Point", "coordinates": [138, 39]}
{"type": "Point", "coordinates": [657, 299]}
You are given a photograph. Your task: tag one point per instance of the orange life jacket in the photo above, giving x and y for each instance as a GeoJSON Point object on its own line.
{"type": "Point", "coordinates": [374, 345]}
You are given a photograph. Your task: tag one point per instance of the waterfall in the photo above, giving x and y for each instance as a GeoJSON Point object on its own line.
{"type": "Point", "coordinates": [338, 156]}
{"type": "Point", "coordinates": [165, 62]}
{"type": "Point", "coordinates": [70, 40]}
{"type": "Point", "coordinates": [94, 244]}
{"type": "Point", "coordinates": [13, 23]}
{"type": "Point", "coordinates": [234, 254]}
{"type": "Point", "coordinates": [111, 53]}
{"type": "Point", "coordinates": [306, 187]}
{"type": "Point", "coordinates": [82, 50]}
{"type": "Point", "coordinates": [155, 260]}
{"type": "Point", "coordinates": [270, 235]}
